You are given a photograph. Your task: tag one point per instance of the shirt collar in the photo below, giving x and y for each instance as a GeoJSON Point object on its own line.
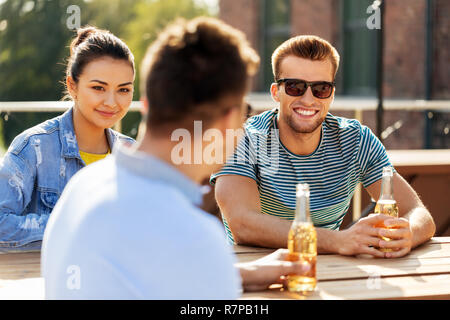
{"type": "Point", "coordinates": [153, 168]}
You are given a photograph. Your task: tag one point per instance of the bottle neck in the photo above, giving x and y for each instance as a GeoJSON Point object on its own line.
{"type": "Point", "coordinates": [387, 188]}
{"type": "Point", "coordinates": [302, 209]}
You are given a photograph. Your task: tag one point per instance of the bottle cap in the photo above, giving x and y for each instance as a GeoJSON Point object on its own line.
{"type": "Point", "coordinates": [302, 189]}
{"type": "Point", "coordinates": [387, 171]}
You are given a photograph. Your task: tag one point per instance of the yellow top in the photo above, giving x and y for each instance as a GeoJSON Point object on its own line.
{"type": "Point", "coordinates": [89, 158]}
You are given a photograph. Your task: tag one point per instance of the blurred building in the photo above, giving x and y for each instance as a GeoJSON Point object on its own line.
{"type": "Point", "coordinates": [416, 54]}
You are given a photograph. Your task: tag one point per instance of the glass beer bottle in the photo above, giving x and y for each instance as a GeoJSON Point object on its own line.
{"type": "Point", "coordinates": [386, 204]}
{"type": "Point", "coordinates": [302, 244]}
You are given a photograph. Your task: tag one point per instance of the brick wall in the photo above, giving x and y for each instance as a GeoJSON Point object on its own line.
{"type": "Point", "coordinates": [245, 16]}
{"type": "Point", "coordinates": [405, 51]}
{"type": "Point", "coordinates": [441, 52]}
{"type": "Point", "coordinates": [404, 48]}
{"type": "Point", "coordinates": [404, 38]}
{"type": "Point", "coordinates": [305, 15]}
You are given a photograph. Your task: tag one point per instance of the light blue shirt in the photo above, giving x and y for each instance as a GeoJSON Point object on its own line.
{"type": "Point", "coordinates": [128, 227]}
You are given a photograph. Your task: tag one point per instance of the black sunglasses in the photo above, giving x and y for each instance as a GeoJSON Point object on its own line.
{"type": "Point", "coordinates": [298, 87]}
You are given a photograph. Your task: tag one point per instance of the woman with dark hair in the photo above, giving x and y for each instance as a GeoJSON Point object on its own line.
{"type": "Point", "coordinates": [41, 160]}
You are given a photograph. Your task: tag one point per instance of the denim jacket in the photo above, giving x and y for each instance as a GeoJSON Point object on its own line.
{"type": "Point", "coordinates": [33, 173]}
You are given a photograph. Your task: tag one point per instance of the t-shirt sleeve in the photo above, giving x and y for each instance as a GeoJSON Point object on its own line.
{"type": "Point", "coordinates": [242, 162]}
{"type": "Point", "coordinates": [372, 157]}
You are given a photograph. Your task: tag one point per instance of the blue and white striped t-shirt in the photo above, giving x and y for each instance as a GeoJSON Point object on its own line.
{"type": "Point", "coordinates": [348, 153]}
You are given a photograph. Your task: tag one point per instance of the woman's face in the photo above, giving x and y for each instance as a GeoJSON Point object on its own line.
{"type": "Point", "coordinates": [104, 91]}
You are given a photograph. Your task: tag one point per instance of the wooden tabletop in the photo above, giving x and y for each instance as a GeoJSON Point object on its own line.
{"type": "Point", "coordinates": [423, 274]}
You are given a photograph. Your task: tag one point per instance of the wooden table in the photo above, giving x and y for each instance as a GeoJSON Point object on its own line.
{"type": "Point", "coordinates": [20, 276]}
{"type": "Point", "coordinates": [423, 274]}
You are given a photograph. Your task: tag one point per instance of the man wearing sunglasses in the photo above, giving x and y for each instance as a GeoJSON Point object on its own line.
{"type": "Point", "coordinates": [301, 142]}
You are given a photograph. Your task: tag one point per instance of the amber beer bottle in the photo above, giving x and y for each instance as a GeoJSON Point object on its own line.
{"type": "Point", "coordinates": [302, 244]}
{"type": "Point", "coordinates": [386, 204]}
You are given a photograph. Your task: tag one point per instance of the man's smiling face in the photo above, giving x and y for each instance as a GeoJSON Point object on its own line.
{"type": "Point", "coordinates": [303, 114]}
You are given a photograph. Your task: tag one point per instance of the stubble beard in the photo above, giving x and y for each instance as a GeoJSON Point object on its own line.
{"type": "Point", "coordinates": [304, 127]}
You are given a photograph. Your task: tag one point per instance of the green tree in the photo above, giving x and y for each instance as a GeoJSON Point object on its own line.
{"type": "Point", "coordinates": [112, 15]}
{"type": "Point", "coordinates": [151, 17]}
{"type": "Point", "coordinates": [33, 44]}
{"type": "Point", "coordinates": [33, 47]}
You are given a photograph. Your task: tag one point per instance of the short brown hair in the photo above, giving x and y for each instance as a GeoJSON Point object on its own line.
{"type": "Point", "coordinates": [191, 64]}
{"type": "Point", "coordinates": [307, 47]}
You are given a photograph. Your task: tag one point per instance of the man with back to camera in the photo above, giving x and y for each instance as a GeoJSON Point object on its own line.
{"type": "Point", "coordinates": [301, 142]}
{"type": "Point", "coordinates": [129, 226]}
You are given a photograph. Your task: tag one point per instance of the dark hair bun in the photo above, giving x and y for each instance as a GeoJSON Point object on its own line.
{"type": "Point", "coordinates": [82, 35]}
{"type": "Point", "coordinates": [92, 43]}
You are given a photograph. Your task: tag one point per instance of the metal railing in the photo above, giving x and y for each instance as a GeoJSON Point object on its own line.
{"type": "Point", "coordinates": [258, 101]}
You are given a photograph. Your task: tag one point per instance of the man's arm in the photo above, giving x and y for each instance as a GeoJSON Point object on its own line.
{"type": "Point", "coordinates": [415, 224]}
{"type": "Point", "coordinates": [238, 200]}
{"type": "Point", "coordinates": [414, 227]}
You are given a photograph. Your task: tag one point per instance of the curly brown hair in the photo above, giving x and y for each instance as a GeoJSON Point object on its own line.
{"type": "Point", "coordinates": [192, 65]}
